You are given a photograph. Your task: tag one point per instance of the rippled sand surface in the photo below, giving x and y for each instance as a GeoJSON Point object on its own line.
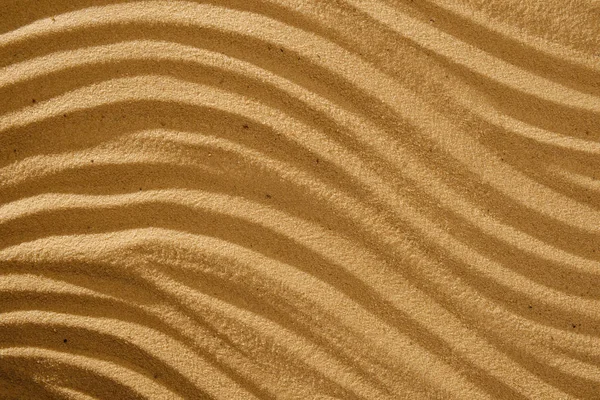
{"type": "Point", "coordinates": [284, 199]}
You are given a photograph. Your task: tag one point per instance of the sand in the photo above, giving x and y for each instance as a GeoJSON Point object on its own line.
{"type": "Point", "coordinates": [282, 199]}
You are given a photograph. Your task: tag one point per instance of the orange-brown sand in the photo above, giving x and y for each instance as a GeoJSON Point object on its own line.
{"type": "Point", "coordinates": [286, 199]}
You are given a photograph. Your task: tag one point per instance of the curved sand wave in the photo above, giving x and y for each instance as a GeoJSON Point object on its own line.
{"type": "Point", "coordinates": [287, 199]}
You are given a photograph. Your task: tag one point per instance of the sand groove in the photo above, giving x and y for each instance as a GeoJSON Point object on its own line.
{"type": "Point", "coordinates": [299, 199]}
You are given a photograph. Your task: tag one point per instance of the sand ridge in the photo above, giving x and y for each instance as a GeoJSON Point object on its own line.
{"type": "Point", "coordinates": [299, 199]}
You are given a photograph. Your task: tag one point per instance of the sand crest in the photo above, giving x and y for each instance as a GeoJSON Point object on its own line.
{"type": "Point", "coordinates": [284, 199]}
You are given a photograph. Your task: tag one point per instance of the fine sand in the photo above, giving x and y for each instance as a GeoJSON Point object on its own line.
{"type": "Point", "coordinates": [286, 199]}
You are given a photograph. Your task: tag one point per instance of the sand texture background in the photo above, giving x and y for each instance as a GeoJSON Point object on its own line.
{"type": "Point", "coordinates": [286, 199]}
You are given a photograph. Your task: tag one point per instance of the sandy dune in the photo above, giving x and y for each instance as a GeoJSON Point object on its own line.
{"type": "Point", "coordinates": [285, 199]}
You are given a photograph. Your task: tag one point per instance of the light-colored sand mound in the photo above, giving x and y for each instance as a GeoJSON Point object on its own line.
{"type": "Point", "coordinates": [284, 199]}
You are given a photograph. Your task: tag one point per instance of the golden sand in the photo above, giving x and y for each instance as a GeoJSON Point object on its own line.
{"type": "Point", "coordinates": [285, 199]}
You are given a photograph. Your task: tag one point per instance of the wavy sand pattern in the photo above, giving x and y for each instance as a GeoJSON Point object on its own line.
{"type": "Point", "coordinates": [235, 199]}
